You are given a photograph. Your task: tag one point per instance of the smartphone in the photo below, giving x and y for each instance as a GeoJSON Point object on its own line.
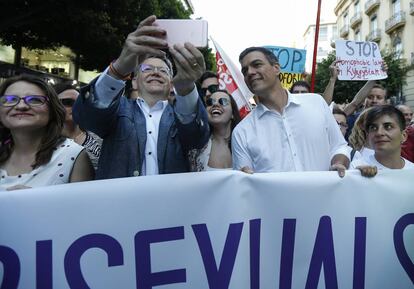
{"type": "Point", "coordinates": [180, 31]}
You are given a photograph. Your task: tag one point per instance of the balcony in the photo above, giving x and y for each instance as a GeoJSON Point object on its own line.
{"type": "Point", "coordinates": [356, 19]}
{"type": "Point", "coordinates": [370, 5]}
{"type": "Point", "coordinates": [412, 7]}
{"type": "Point", "coordinates": [397, 20]}
{"type": "Point", "coordinates": [374, 35]}
{"type": "Point", "coordinates": [344, 31]}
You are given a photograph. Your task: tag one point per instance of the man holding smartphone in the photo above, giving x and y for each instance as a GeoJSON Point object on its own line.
{"type": "Point", "coordinates": [147, 135]}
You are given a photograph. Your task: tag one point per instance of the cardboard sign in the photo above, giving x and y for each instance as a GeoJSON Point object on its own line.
{"type": "Point", "coordinates": [359, 60]}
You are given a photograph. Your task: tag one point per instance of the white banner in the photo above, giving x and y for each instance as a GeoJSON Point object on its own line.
{"type": "Point", "coordinates": [359, 60]}
{"type": "Point", "coordinates": [212, 230]}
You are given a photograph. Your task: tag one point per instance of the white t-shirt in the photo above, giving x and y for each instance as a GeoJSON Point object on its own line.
{"type": "Point", "coordinates": [304, 137]}
{"type": "Point", "coordinates": [370, 160]}
{"type": "Point", "coordinates": [56, 171]}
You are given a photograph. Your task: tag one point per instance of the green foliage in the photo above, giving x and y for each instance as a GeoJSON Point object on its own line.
{"type": "Point", "coordinates": [209, 58]}
{"type": "Point", "coordinates": [93, 29]}
{"type": "Point", "coordinates": [346, 90]}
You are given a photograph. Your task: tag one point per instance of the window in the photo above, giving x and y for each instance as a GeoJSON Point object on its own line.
{"type": "Point", "coordinates": [374, 23]}
{"type": "Point", "coordinates": [397, 45]}
{"type": "Point", "coordinates": [346, 19]}
{"type": "Point", "coordinates": [323, 33]}
{"type": "Point", "coordinates": [356, 7]}
{"type": "Point", "coordinates": [357, 35]}
{"type": "Point", "coordinates": [396, 6]}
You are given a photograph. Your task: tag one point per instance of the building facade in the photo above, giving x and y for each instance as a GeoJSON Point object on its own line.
{"type": "Point", "coordinates": [390, 23]}
{"type": "Point", "coordinates": [327, 32]}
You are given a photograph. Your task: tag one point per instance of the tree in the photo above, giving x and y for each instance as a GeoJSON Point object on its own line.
{"type": "Point", "coordinates": [346, 90]}
{"type": "Point", "coordinates": [94, 30]}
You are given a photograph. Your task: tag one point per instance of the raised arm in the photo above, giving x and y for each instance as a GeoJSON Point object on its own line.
{"type": "Point", "coordinates": [329, 89]}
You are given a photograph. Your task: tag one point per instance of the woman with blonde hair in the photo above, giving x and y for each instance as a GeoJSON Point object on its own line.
{"type": "Point", "coordinates": [358, 138]}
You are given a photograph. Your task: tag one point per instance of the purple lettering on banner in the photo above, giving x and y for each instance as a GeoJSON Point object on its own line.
{"type": "Point", "coordinates": [286, 256]}
{"type": "Point", "coordinates": [44, 265]}
{"type": "Point", "coordinates": [218, 278]}
{"type": "Point", "coordinates": [11, 268]}
{"type": "Point", "coordinates": [323, 254]}
{"type": "Point", "coordinates": [400, 249]}
{"type": "Point", "coordinates": [73, 255]}
{"type": "Point", "coordinates": [145, 279]}
{"type": "Point", "coordinates": [254, 227]}
{"type": "Point", "coordinates": [360, 241]}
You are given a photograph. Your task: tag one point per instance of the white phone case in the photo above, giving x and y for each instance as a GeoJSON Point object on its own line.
{"type": "Point", "coordinates": [180, 31]}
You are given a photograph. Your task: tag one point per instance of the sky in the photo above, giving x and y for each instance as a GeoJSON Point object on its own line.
{"type": "Point", "coordinates": [238, 24]}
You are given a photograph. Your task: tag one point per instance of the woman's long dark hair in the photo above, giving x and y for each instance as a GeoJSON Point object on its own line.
{"type": "Point", "coordinates": [52, 136]}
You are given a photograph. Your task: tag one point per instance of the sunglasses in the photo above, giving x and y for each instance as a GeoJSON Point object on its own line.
{"type": "Point", "coordinates": [30, 100]}
{"type": "Point", "coordinates": [68, 102]}
{"type": "Point", "coordinates": [212, 88]}
{"type": "Point", "coordinates": [222, 101]}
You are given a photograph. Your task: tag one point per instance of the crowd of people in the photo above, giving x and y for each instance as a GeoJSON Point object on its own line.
{"type": "Point", "coordinates": [184, 121]}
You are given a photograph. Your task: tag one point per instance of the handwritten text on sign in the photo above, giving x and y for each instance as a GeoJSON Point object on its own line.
{"type": "Point", "coordinates": [359, 60]}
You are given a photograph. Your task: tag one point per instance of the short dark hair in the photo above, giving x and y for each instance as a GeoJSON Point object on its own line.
{"type": "Point", "coordinates": [207, 74]}
{"type": "Point", "coordinates": [267, 52]}
{"type": "Point", "coordinates": [378, 111]}
{"type": "Point", "coordinates": [52, 135]}
{"type": "Point", "coordinates": [62, 86]}
{"type": "Point", "coordinates": [337, 110]}
{"type": "Point", "coordinates": [300, 83]}
{"type": "Point", "coordinates": [379, 86]}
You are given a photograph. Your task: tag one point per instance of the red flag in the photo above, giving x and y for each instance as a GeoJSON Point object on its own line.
{"type": "Point", "coordinates": [230, 79]}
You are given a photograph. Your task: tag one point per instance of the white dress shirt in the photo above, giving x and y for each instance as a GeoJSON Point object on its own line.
{"type": "Point", "coordinates": [108, 87]}
{"type": "Point", "coordinates": [305, 137]}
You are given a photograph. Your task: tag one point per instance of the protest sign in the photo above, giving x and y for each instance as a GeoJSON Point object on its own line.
{"type": "Point", "coordinates": [359, 60]}
{"type": "Point", "coordinates": [221, 229]}
{"type": "Point", "coordinates": [292, 64]}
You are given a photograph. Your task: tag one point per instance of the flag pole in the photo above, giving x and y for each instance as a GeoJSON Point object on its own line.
{"type": "Point", "coordinates": [315, 46]}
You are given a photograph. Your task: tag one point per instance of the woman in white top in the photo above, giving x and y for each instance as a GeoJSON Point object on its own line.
{"type": "Point", "coordinates": [223, 116]}
{"type": "Point", "coordinates": [385, 127]}
{"type": "Point", "coordinates": [32, 150]}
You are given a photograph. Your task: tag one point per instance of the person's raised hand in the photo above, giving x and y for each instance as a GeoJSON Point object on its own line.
{"type": "Point", "coordinates": [190, 65]}
{"type": "Point", "coordinates": [146, 39]}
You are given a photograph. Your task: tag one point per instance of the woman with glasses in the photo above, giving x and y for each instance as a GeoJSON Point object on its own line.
{"type": "Point", "coordinates": [68, 94]}
{"type": "Point", "coordinates": [223, 116]}
{"type": "Point", "coordinates": [33, 152]}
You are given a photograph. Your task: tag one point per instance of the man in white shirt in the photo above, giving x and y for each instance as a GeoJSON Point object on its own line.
{"type": "Point", "coordinates": [286, 132]}
{"type": "Point", "coordinates": [146, 135]}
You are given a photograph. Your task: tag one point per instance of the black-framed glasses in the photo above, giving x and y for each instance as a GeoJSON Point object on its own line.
{"type": "Point", "coordinates": [222, 101]}
{"type": "Point", "coordinates": [68, 102]}
{"type": "Point", "coordinates": [30, 100]}
{"type": "Point", "coordinates": [212, 88]}
{"type": "Point", "coordinates": [148, 68]}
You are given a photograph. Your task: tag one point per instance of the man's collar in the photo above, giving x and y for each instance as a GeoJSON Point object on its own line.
{"type": "Point", "coordinates": [292, 99]}
{"type": "Point", "coordinates": [160, 104]}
